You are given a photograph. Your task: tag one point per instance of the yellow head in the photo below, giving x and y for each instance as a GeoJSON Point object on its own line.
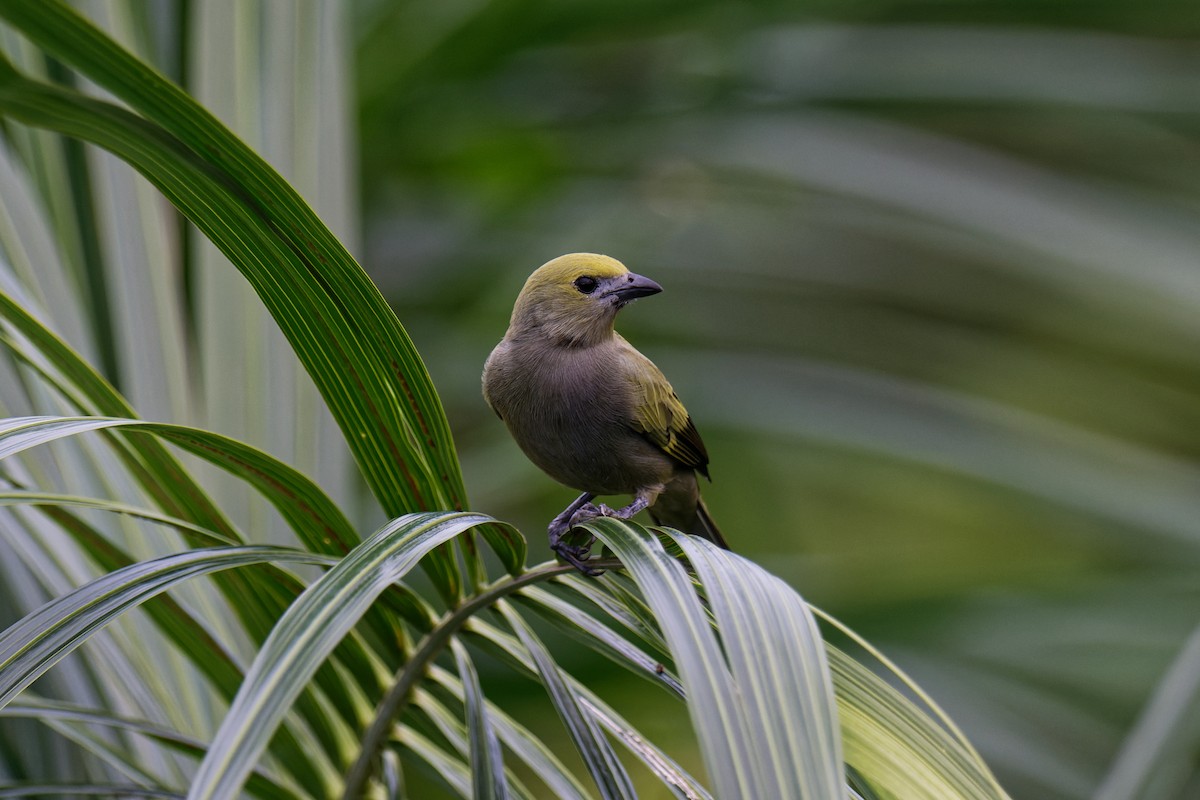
{"type": "Point", "coordinates": [574, 299]}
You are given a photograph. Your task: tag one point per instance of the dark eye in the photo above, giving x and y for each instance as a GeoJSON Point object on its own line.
{"type": "Point", "coordinates": [586, 284]}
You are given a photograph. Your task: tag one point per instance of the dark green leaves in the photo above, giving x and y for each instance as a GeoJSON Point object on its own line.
{"type": "Point", "coordinates": [341, 328]}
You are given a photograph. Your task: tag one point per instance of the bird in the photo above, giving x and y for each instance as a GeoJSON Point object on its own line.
{"type": "Point", "coordinates": [591, 411]}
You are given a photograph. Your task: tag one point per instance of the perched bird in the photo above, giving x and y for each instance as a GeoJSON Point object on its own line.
{"type": "Point", "coordinates": [590, 410]}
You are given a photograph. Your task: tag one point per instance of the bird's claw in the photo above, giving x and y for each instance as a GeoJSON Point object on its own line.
{"type": "Point", "coordinates": [576, 555]}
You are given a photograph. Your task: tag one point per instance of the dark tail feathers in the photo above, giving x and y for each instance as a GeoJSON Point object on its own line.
{"type": "Point", "coordinates": [701, 524]}
{"type": "Point", "coordinates": [706, 527]}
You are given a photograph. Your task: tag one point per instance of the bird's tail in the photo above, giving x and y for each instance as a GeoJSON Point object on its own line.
{"type": "Point", "coordinates": [704, 526]}
{"type": "Point", "coordinates": [680, 507]}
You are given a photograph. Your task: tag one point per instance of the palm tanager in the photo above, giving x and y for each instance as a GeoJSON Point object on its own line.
{"type": "Point", "coordinates": [590, 410]}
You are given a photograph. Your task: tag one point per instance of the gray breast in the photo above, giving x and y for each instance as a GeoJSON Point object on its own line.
{"type": "Point", "coordinates": [569, 412]}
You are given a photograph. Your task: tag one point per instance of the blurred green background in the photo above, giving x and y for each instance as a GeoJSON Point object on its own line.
{"type": "Point", "coordinates": [932, 295]}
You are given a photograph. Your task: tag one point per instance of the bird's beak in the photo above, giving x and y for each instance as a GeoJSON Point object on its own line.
{"type": "Point", "coordinates": [630, 287]}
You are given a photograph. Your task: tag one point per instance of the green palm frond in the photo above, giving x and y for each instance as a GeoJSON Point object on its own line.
{"type": "Point", "coordinates": [193, 602]}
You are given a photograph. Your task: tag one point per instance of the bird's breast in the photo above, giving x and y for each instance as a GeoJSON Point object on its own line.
{"type": "Point", "coordinates": [570, 410]}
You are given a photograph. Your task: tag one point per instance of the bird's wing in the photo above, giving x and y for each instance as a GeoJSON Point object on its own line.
{"type": "Point", "coordinates": [660, 417]}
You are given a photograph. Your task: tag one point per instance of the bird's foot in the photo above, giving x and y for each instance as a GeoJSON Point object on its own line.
{"type": "Point", "coordinates": [576, 554]}
{"type": "Point", "coordinates": [577, 558]}
{"type": "Point", "coordinates": [563, 522]}
{"type": "Point", "coordinates": [591, 511]}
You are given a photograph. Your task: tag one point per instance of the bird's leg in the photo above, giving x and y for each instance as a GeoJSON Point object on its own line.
{"type": "Point", "coordinates": [574, 555]}
{"type": "Point", "coordinates": [581, 511]}
{"type": "Point", "coordinates": [640, 503]}
{"type": "Point", "coordinates": [644, 499]}
{"type": "Point", "coordinates": [562, 523]}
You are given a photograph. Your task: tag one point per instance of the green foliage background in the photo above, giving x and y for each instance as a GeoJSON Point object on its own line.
{"type": "Point", "coordinates": [932, 283]}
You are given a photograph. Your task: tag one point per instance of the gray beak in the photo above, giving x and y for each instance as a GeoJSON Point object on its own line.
{"type": "Point", "coordinates": [630, 287]}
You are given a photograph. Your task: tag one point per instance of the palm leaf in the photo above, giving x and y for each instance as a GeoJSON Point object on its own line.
{"type": "Point", "coordinates": [315, 519]}
{"type": "Point", "coordinates": [363, 363]}
{"type": "Point", "coordinates": [41, 639]}
{"type": "Point", "coordinates": [607, 772]}
{"type": "Point", "coordinates": [307, 634]}
{"type": "Point", "coordinates": [759, 687]}
{"type": "Point", "coordinates": [386, 365]}
{"type": "Point", "coordinates": [62, 716]}
{"type": "Point", "coordinates": [87, 790]}
{"type": "Point", "coordinates": [660, 764]}
{"type": "Point", "coordinates": [743, 753]}
{"type": "Point", "coordinates": [561, 781]}
{"type": "Point", "coordinates": [487, 763]}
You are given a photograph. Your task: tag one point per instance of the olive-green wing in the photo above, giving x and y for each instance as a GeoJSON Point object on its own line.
{"type": "Point", "coordinates": [661, 418]}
